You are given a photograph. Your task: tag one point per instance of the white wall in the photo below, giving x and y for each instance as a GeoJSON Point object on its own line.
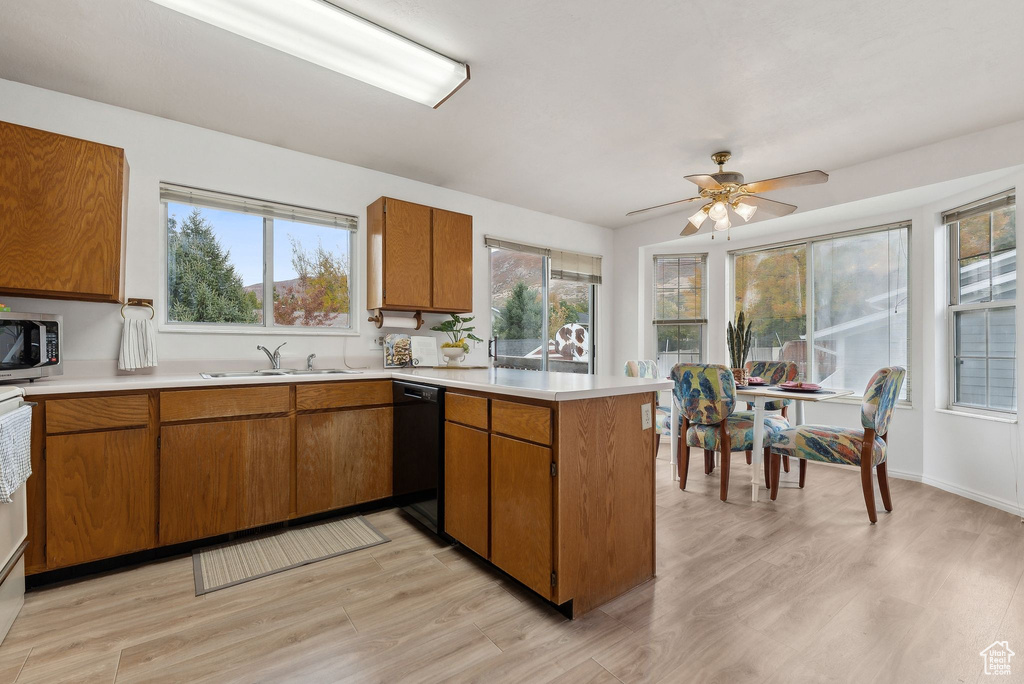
{"type": "Point", "coordinates": [968, 455]}
{"type": "Point", "coordinates": [162, 150]}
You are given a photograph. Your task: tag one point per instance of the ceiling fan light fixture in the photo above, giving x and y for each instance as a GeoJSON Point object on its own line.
{"type": "Point", "coordinates": [699, 218]}
{"type": "Point", "coordinates": [746, 211]}
{"type": "Point", "coordinates": [718, 211]}
{"type": "Point", "coordinates": [723, 224]}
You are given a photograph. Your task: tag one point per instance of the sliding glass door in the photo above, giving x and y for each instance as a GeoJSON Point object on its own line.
{"type": "Point", "coordinates": [542, 314]}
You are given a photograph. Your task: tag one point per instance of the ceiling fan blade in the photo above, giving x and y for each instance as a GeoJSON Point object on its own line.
{"type": "Point", "coordinates": [667, 204]}
{"type": "Point", "coordinates": [690, 229]}
{"type": "Point", "coordinates": [792, 181]}
{"type": "Point", "coordinates": [704, 182]}
{"type": "Point", "coordinates": [767, 207]}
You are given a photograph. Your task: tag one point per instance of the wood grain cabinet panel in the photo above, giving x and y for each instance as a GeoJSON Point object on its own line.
{"type": "Point", "coordinates": [525, 421]}
{"type": "Point", "coordinates": [466, 409]}
{"type": "Point", "coordinates": [222, 477]}
{"type": "Point", "coordinates": [522, 512]}
{"type": "Point", "coordinates": [324, 395]}
{"type": "Point", "coordinates": [64, 216]}
{"type": "Point", "coordinates": [453, 261]}
{"type": "Point", "coordinates": [223, 403]}
{"type": "Point", "coordinates": [342, 458]}
{"type": "Point", "coordinates": [467, 487]}
{"type": "Point", "coordinates": [407, 260]}
{"type": "Point", "coordinates": [100, 496]}
{"type": "Point", "coordinates": [96, 413]}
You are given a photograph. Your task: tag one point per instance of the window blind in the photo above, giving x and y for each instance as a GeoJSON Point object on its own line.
{"type": "Point", "coordinates": [246, 205]}
{"type": "Point", "coordinates": [564, 265]}
{"type": "Point", "coordinates": [679, 288]}
{"type": "Point", "coordinates": [1007, 198]}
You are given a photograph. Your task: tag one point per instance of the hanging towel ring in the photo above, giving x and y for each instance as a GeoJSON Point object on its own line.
{"type": "Point", "coordinates": [140, 302]}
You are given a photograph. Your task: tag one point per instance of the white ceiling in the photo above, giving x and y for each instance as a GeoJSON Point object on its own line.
{"type": "Point", "coordinates": [584, 109]}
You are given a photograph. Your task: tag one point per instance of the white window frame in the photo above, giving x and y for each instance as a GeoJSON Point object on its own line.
{"type": "Point", "coordinates": [808, 245]}
{"type": "Point", "coordinates": [954, 306]}
{"type": "Point", "coordinates": [702, 257]}
{"type": "Point", "coordinates": [252, 206]}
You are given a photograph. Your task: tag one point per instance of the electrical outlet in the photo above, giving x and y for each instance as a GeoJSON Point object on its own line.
{"type": "Point", "coordinates": [377, 342]}
{"type": "Point", "coordinates": [645, 416]}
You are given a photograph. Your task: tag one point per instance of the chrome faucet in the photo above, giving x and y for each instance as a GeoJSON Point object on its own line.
{"type": "Point", "coordinates": [275, 358]}
{"type": "Point", "coordinates": [309, 361]}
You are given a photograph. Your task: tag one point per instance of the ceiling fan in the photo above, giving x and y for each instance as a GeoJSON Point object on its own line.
{"type": "Point", "coordinates": [726, 190]}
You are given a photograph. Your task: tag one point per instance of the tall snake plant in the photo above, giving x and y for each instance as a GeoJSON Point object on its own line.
{"type": "Point", "coordinates": [739, 341]}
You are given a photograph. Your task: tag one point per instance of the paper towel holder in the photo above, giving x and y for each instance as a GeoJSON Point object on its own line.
{"type": "Point", "coordinates": [378, 319]}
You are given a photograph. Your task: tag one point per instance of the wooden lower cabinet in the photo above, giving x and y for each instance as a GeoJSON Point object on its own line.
{"type": "Point", "coordinates": [467, 473]}
{"type": "Point", "coordinates": [100, 495]}
{"type": "Point", "coordinates": [224, 476]}
{"type": "Point", "coordinates": [342, 458]}
{"type": "Point", "coordinates": [522, 512]}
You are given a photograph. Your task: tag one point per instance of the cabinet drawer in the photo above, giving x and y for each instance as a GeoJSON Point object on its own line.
{"type": "Point", "coordinates": [96, 413]}
{"type": "Point", "coordinates": [322, 395]}
{"type": "Point", "coordinates": [223, 403]}
{"type": "Point", "coordinates": [462, 408]}
{"type": "Point", "coordinates": [524, 421]}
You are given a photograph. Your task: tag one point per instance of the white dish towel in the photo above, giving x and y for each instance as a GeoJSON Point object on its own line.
{"type": "Point", "coordinates": [15, 451]}
{"type": "Point", "coordinates": [138, 344]}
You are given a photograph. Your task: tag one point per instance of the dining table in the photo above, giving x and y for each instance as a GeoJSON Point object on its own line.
{"type": "Point", "coordinates": [758, 395]}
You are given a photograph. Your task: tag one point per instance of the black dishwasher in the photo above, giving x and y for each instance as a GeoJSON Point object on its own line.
{"type": "Point", "coordinates": [418, 471]}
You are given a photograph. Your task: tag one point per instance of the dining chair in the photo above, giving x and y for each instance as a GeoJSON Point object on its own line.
{"type": "Point", "coordinates": [864, 448]}
{"type": "Point", "coordinates": [706, 394]}
{"type": "Point", "coordinates": [773, 372]}
{"type": "Point", "coordinates": [646, 368]}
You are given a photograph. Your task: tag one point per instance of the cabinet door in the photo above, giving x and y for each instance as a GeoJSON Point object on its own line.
{"type": "Point", "coordinates": [63, 223]}
{"type": "Point", "coordinates": [453, 261]}
{"type": "Point", "coordinates": [467, 487]}
{"type": "Point", "coordinates": [406, 255]}
{"type": "Point", "coordinates": [342, 458]}
{"type": "Point", "coordinates": [221, 477]}
{"type": "Point", "coordinates": [522, 512]}
{"type": "Point", "coordinates": [100, 495]}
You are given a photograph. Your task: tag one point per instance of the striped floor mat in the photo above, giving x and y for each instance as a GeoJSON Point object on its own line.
{"type": "Point", "coordinates": [235, 562]}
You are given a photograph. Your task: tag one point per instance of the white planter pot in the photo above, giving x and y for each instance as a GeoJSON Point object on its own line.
{"type": "Point", "coordinates": [453, 355]}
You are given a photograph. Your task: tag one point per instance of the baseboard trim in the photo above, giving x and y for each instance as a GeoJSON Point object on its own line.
{"type": "Point", "coordinates": [994, 502]}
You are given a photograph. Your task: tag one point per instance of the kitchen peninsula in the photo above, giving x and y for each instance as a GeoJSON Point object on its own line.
{"type": "Point", "coordinates": [549, 476]}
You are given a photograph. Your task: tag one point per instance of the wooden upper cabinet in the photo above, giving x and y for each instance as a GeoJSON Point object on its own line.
{"type": "Point", "coordinates": [453, 264]}
{"type": "Point", "coordinates": [63, 219]}
{"type": "Point", "coordinates": [418, 258]}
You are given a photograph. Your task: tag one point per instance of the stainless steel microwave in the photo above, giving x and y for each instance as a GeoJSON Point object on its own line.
{"type": "Point", "coordinates": [31, 345]}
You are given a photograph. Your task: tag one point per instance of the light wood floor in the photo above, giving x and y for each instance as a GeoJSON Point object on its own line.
{"type": "Point", "coordinates": [802, 590]}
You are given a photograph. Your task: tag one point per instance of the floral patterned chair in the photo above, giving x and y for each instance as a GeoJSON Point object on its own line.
{"type": "Point", "coordinates": [662, 414]}
{"type": "Point", "coordinates": [706, 395]}
{"type": "Point", "coordinates": [864, 448]}
{"type": "Point", "coordinates": [773, 372]}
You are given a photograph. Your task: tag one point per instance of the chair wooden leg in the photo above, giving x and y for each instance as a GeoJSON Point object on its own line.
{"type": "Point", "coordinates": [865, 474]}
{"type": "Point", "coordinates": [657, 444]}
{"type": "Point", "coordinates": [767, 467]}
{"type": "Point", "coordinates": [883, 485]}
{"type": "Point", "coordinates": [750, 457]}
{"type": "Point", "coordinates": [785, 463]}
{"type": "Point", "coordinates": [709, 461]}
{"type": "Point", "coordinates": [803, 471]}
{"type": "Point", "coordinates": [726, 451]}
{"type": "Point", "coordinates": [683, 465]}
{"type": "Point", "coordinates": [776, 461]}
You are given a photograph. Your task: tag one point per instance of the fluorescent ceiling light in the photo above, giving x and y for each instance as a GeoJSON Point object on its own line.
{"type": "Point", "coordinates": [320, 32]}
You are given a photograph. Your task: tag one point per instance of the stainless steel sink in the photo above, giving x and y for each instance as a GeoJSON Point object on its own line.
{"type": "Point", "coordinates": [325, 371]}
{"type": "Point", "coordinates": [278, 371]}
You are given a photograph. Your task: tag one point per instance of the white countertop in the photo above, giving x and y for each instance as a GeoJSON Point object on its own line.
{"type": "Point", "coordinates": [519, 383]}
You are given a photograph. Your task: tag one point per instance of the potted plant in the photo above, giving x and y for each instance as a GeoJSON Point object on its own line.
{"type": "Point", "coordinates": [459, 335]}
{"type": "Point", "coordinates": [738, 337]}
